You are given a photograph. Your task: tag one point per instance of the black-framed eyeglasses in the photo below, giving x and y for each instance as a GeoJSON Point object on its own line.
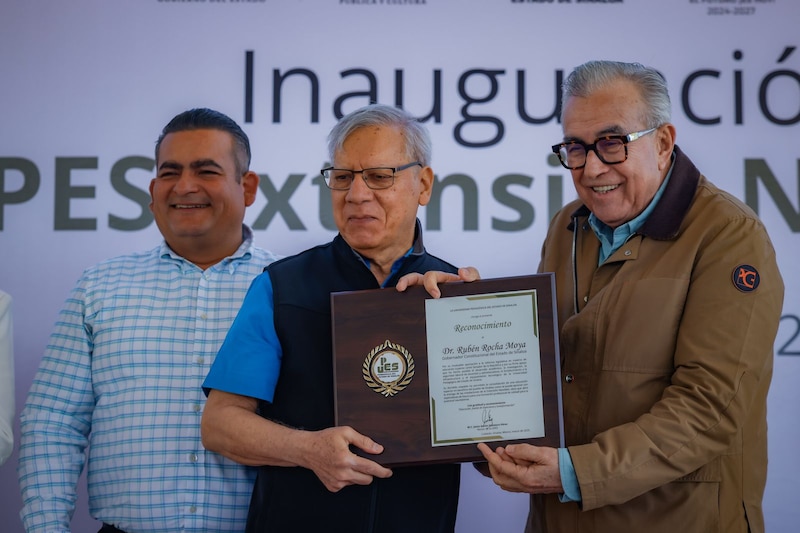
{"type": "Point", "coordinates": [611, 149]}
{"type": "Point", "coordinates": [341, 179]}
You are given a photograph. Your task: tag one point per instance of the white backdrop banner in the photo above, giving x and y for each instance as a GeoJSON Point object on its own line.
{"type": "Point", "coordinates": [86, 86]}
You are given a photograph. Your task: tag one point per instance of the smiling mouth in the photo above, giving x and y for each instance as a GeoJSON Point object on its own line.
{"type": "Point", "coordinates": [604, 188]}
{"type": "Point", "coordinates": [189, 206]}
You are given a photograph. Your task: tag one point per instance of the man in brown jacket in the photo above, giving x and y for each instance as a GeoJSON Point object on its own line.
{"type": "Point", "coordinates": [669, 299]}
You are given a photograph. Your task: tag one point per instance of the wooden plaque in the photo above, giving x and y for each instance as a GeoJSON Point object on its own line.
{"type": "Point", "coordinates": [384, 328]}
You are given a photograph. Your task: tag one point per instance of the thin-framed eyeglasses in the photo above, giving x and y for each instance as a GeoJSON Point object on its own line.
{"type": "Point", "coordinates": [341, 179]}
{"type": "Point", "coordinates": [611, 149]}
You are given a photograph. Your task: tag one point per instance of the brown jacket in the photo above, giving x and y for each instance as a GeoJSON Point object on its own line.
{"type": "Point", "coordinates": [665, 365]}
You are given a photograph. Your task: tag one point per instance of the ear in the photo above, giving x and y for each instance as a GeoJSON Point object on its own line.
{"type": "Point", "coordinates": [152, 185]}
{"type": "Point", "coordinates": [426, 185]}
{"type": "Point", "coordinates": [665, 144]}
{"type": "Point", "coordinates": [250, 186]}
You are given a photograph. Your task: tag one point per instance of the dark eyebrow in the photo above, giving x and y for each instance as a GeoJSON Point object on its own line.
{"type": "Point", "coordinates": [200, 163]}
{"type": "Point", "coordinates": [610, 130]}
{"type": "Point", "coordinates": [205, 163]}
{"type": "Point", "coordinates": [170, 165]}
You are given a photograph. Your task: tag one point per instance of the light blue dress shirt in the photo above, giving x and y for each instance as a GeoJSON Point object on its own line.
{"type": "Point", "coordinates": [122, 373]}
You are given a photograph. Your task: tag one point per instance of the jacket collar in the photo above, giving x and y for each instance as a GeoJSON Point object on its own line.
{"type": "Point", "coordinates": [665, 220]}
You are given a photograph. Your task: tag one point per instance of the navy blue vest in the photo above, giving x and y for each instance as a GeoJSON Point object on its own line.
{"type": "Point", "coordinates": [422, 499]}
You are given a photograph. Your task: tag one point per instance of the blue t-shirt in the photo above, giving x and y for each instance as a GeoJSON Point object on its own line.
{"type": "Point", "coordinates": [249, 361]}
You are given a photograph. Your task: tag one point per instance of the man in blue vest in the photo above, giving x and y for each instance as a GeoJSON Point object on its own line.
{"type": "Point", "coordinates": [270, 400]}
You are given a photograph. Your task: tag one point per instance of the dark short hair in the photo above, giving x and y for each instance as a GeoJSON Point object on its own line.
{"type": "Point", "coordinates": [207, 119]}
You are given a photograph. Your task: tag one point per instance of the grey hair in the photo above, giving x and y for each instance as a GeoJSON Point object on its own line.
{"type": "Point", "coordinates": [594, 75]}
{"type": "Point", "coordinates": [418, 140]}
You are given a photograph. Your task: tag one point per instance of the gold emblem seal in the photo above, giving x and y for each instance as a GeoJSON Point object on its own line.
{"type": "Point", "coordinates": [388, 369]}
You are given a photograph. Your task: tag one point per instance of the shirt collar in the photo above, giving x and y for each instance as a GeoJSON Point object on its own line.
{"type": "Point", "coordinates": [242, 253]}
{"type": "Point", "coordinates": [417, 249]}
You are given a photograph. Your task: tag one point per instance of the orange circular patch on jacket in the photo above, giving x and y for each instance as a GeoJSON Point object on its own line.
{"type": "Point", "coordinates": [746, 278]}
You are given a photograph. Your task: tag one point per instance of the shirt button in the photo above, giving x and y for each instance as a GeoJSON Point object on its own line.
{"type": "Point", "coordinates": [192, 509]}
{"type": "Point", "coordinates": [201, 360]}
{"type": "Point", "coordinates": [192, 457]}
{"type": "Point", "coordinates": [203, 316]}
{"type": "Point", "coordinates": [627, 252]}
{"type": "Point", "coordinates": [569, 378]}
{"type": "Point", "coordinates": [585, 299]}
{"type": "Point", "coordinates": [196, 408]}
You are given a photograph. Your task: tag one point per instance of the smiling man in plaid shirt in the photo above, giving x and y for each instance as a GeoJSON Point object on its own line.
{"type": "Point", "coordinates": [122, 372]}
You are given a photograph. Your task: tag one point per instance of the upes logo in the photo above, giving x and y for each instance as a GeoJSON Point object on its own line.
{"type": "Point", "coordinates": [384, 366]}
{"type": "Point", "coordinates": [388, 369]}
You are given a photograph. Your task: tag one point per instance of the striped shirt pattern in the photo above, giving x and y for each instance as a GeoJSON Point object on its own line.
{"type": "Point", "coordinates": [121, 378]}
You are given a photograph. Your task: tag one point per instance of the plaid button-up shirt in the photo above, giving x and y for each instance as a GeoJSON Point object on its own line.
{"type": "Point", "coordinates": [122, 377]}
